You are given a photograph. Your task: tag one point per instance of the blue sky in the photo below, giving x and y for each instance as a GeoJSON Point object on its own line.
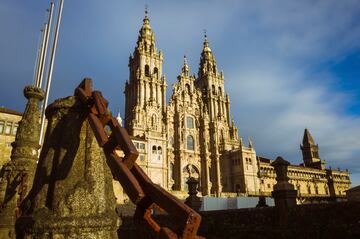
{"type": "Point", "coordinates": [287, 64]}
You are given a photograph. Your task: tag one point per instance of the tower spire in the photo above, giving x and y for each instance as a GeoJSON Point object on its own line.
{"type": "Point", "coordinates": [310, 151]}
{"type": "Point", "coordinates": [185, 68]}
{"type": "Point", "coordinates": [207, 59]}
{"type": "Point", "coordinates": [308, 140]}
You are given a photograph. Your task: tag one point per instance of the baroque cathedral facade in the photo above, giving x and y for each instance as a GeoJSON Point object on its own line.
{"type": "Point", "coordinates": [194, 134]}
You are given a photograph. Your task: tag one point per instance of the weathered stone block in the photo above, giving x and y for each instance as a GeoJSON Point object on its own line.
{"type": "Point", "coordinates": [72, 194]}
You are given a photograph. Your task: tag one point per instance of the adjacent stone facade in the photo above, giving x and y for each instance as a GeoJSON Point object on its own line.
{"type": "Point", "coordinates": [311, 179]}
{"type": "Point", "coordinates": [194, 135]}
{"type": "Point", "coordinates": [9, 123]}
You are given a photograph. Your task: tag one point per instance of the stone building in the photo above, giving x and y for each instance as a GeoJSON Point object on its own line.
{"type": "Point", "coordinates": [9, 122]}
{"type": "Point", "coordinates": [188, 136]}
{"type": "Point", "coordinates": [311, 179]}
{"type": "Point", "coordinates": [194, 135]}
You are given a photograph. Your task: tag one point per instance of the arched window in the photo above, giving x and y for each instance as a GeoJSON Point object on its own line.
{"type": "Point", "coordinates": [189, 122]}
{"type": "Point", "coordinates": [154, 149]}
{"type": "Point", "coordinates": [190, 142]}
{"type": "Point", "coordinates": [156, 72]}
{"type": "Point", "coordinates": [220, 91]}
{"type": "Point", "coordinates": [159, 150]}
{"type": "Point", "coordinates": [213, 89]}
{"type": "Point", "coordinates": [187, 87]}
{"type": "Point", "coordinates": [147, 70]}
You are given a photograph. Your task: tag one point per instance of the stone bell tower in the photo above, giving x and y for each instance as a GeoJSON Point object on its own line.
{"type": "Point", "coordinates": [222, 133]}
{"type": "Point", "coordinates": [145, 103]}
{"type": "Point", "coordinates": [145, 91]}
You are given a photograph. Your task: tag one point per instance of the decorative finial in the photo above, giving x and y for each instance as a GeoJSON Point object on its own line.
{"type": "Point", "coordinates": [185, 68]}
{"type": "Point", "coordinates": [146, 9]}
{"type": "Point", "coordinates": [205, 36]}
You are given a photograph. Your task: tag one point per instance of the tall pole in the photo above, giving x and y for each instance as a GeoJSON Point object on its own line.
{"type": "Point", "coordinates": [45, 45]}
{"type": "Point", "coordinates": [37, 61]}
{"type": "Point", "coordinates": [50, 72]}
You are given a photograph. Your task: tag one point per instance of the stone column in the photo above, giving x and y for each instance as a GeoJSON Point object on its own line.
{"type": "Point", "coordinates": [18, 174]}
{"type": "Point", "coordinates": [284, 192]}
{"type": "Point", "coordinates": [193, 200]}
{"type": "Point", "coordinates": [72, 195]}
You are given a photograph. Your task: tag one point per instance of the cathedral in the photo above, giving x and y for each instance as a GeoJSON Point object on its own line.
{"type": "Point", "coordinates": [194, 135]}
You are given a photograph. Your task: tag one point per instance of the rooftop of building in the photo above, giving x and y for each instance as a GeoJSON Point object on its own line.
{"type": "Point", "coordinates": [10, 111]}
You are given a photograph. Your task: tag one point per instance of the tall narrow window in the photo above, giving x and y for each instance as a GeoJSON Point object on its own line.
{"type": "Point", "coordinates": [187, 86]}
{"type": "Point", "coordinates": [156, 72]}
{"type": "Point", "coordinates": [189, 122]}
{"type": "Point", "coordinates": [147, 70]}
{"type": "Point", "coordinates": [190, 142]}
{"type": "Point", "coordinates": [172, 171]}
{"type": "Point", "coordinates": [213, 89]}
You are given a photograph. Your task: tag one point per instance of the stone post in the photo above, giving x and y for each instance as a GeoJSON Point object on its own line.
{"type": "Point", "coordinates": [72, 195]}
{"type": "Point", "coordinates": [262, 202]}
{"type": "Point", "coordinates": [18, 174]}
{"type": "Point", "coordinates": [193, 200]}
{"type": "Point", "coordinates": [284, 193]}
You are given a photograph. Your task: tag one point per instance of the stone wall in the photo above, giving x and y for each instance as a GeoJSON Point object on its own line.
{"type": "Point", "coordinates": [335, 220]}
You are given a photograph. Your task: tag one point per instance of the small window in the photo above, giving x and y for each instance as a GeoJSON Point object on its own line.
{"type": "Point", "coordinates": [156, 72]}
{"type": "Point", "coordinates": [142, 157]}
{"type": "Point", "coordinates": [1, 126]}
{"type": "Point", "coordinates": [147, 70]}
{"type": "Point", "coordinates": [188, 89]}
{"type": "Point", "coordinates": [142, 146]}
{"type": "Point", "coordinates": [8, 128]}
{"type": "Point", "coordinates": [159, 150]}
{"type": "Point", "coordinates": [189, 122]}
{"type": "Point", "coordinates": [154, 149]}
{"type": "Point", "coordinates": [190, 142]}
{"type": "Point", "coordinates": [213, 89]}
{"type": "Point", "coordinates": [269, 186]}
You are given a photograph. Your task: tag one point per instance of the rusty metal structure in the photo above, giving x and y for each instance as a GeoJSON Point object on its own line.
{"type": "Point", "coordinates": [138, 186]}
